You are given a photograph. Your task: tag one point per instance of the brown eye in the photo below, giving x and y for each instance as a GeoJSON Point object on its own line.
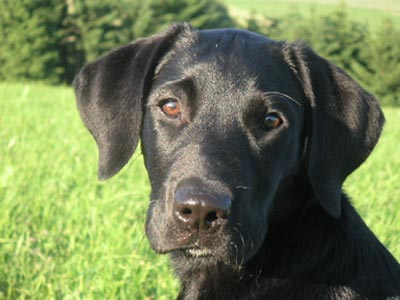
{"type": "Point", "coordinates": [171, 108]}
{"type": "Point", "coordinates": [271, 121]}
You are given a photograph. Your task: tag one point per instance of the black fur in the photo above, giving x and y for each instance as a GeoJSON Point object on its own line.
{"type": "Point", "coordinates": [291, 232]}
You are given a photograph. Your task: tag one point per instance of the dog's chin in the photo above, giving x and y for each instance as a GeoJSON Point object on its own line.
{"type": "Point", "coordinates": [197, 259]}
{"type": "Point", "coordinates": [198, 256]}
{"type": "Point", "coordinates": [225, 256]}
{"type": "Point", "coordinates": [205, 252]}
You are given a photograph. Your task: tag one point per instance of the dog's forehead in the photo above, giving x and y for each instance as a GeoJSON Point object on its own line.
{"type": "Point", "coordinates": [227, 59]}
{"type": "Point", "coordinates": [227, 36]}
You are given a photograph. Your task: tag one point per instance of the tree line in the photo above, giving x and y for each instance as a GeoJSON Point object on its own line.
{"type": "Point", "coordinates": [49, 40]}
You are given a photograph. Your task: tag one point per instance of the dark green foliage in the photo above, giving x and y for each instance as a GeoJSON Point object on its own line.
{"type": "Point", "coordinates": [31, 35]}
{"type": "Point", "coordinates": [202, 14]}
{"type": "Point", "coordinates": [373, 58]}
{"type": "Point", "coordinates": [334, 36]}
{"type": "Point", "coordinates": [50, 40]}
{"type": "Point", "coordinates": [382, 71]}
{"type": "Point", "coordinates": [104, 24]}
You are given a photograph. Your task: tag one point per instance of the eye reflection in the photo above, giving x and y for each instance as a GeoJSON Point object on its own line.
{"type": "Point", "coordinates": [270, 121]}
{"type": "Point", "coordinates": [171, 108]}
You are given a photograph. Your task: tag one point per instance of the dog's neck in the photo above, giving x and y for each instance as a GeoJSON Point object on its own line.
{"type": "Point", "coordinates": [292, 200]}
{"type": "Point", "coordinates": [213, 284]}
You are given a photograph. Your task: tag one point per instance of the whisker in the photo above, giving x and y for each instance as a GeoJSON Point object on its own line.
{"type": "Point", "coordinates": [237, 254]}
{"type": "Point", "coordinates": [243, 187]}
{"type": "Point", "coordinates": [243, 243]}
{"type": "Point", "coordinates": [283, 95]}
{"type": "Point", "coordinates": [240, 224]}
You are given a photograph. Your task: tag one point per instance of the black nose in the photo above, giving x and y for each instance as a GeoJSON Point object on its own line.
{"type": "Point", "coordinates": [200, 210]}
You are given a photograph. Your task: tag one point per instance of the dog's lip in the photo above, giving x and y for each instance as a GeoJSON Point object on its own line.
{"type": "Point", "coordinates": [189, 246]}
{"type": "Point", "coordinates": [192, 251]}
{"type": "Point", "coordinates": [198, 252]}
{"type": "Point", "coordinates": [192, 243]}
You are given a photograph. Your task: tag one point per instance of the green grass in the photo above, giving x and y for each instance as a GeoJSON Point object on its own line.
{"type": "Point", "coordinates": [65, 236]}
{"type": "Point", "coordinates": [370, 12]}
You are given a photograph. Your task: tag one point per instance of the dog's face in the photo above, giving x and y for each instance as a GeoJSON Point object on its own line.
{"type": "Point", "coordinates": [229, 122]}
{"type": "Point", "coordinates": [217, 143]}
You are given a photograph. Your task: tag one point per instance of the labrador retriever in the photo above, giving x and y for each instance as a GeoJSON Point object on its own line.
{"type": "Point", "coordinates": [247, 142]}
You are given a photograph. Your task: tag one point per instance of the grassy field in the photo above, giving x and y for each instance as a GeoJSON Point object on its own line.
{"type": "Point", "coordinates": [369, 12]}
{"type": "Point", "coordinates": [65, 236]}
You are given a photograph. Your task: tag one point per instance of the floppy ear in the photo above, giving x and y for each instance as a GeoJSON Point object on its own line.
{"type": "Point", "coordinates": [344, 123]}
{"type": "Point", "coordinates": [111, 92]}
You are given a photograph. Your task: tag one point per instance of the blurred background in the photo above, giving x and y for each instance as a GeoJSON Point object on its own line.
{"type": "Point", "coordinates": [49, 40]}
{"type": "Point", "coordinates": [64, 235]}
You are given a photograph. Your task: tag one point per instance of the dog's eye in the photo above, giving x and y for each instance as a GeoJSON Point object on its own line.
{"type": "Point", "coordinates": [270, 121]}
{"type": "Point", "coordinates": [171, 108]}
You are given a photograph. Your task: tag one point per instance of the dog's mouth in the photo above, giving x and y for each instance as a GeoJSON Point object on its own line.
{"type": "Point", "coordinates": [191, 244]}
{"type": "Point", "coordinates": [195, 245]}
{"type": "Point", "coordinates": [199, 246]}
{"type": "Point", "coordinates": [198, 252]}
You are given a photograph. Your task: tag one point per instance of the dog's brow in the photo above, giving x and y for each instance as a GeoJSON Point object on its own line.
{"type": "Point", "coordinates": [184, 83]}
{"type": "Point", "coordinates": [284, 95]}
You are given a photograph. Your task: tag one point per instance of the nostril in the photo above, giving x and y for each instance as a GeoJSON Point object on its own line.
{"type": "Point", "coordinates": [186, 211]}
{"type": "Point", "coordinates": [211, 217]}
{"type": "Point", "coordinates": [200, 210]}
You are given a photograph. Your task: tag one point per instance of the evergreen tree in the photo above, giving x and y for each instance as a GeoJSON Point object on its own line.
{"type": "Point", "coordinates": [105, 24]}
{"type": "Point", "coordinates": [382, 74]}
{"type": "Point", "coordinates": [333, 35]}
{"type": "Point", "coordinates": [341, 39]}
{"type": "Point", "coordinates": [202, 14]}
{"type": "Point", "coordinates": [49, 40]}
{"type": "Point", "coordinates": [30, 40]}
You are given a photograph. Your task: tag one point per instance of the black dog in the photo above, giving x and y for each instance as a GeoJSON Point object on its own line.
{"type": "Point", "coordinates": [247, 142]}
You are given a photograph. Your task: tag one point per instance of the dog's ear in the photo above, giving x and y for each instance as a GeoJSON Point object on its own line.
{"type": "Point", "coordinates": [111, 92]}
{"type": "Point", "coordinates": [344, 123]}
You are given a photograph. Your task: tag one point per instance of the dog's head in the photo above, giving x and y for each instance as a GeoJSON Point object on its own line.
{"type": "Point", "coordinates": [233, 126]}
